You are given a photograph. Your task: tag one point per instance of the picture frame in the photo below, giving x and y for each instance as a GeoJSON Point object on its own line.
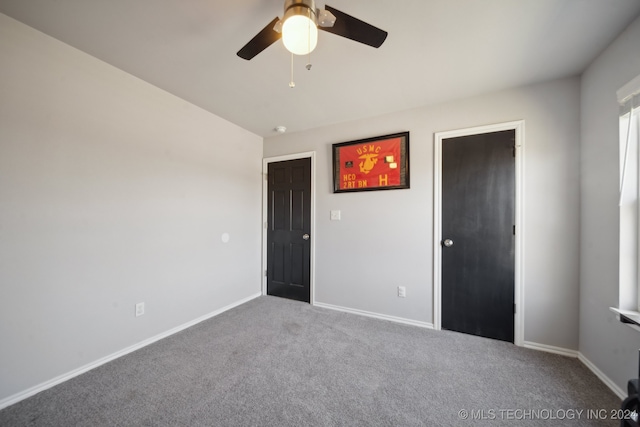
{"type": "Point", "coordinates": [379, 163]}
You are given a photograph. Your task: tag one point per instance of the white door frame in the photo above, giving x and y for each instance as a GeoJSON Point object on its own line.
{"type": "Point", "coordinates": [518, 126]}
{"type": "Point", "coordinates": [265, 225]}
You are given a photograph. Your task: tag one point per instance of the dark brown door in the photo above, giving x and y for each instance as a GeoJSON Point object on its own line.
{"type": "Point", "coordinates": [478, 246]}
{"type": "Point", "coordinates": [289, 229]}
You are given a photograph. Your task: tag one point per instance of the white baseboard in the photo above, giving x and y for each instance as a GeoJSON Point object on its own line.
{"type": "Point", "coordinates": [605, 379]}
{"type": "Point", "coordinates": [375, 315]}
{"type": "Point", "coordinates": [550, 349]}
{"type": "Point", "coordinates": [65, 377]}
{"type": "Point", "coordinates": [62, 378]}
{"type": "Point", "coordinates": [572, 353]}
{"type": "Point", "coordinates": [527, 344]}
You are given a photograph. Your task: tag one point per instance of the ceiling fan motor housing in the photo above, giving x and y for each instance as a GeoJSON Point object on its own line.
{"type": "Point", "coordinates": [300, 7]}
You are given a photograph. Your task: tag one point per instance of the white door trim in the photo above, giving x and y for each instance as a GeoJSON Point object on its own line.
{"type": "Point", "coordinates": [265, 200]}
{"type": "Point", "coordinates": [518, 126]}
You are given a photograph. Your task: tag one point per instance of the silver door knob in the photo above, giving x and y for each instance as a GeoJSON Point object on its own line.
{"type": "Point", "coordinates": [447, 243]}
{"type": "Point", "coordinates": [305, 236]}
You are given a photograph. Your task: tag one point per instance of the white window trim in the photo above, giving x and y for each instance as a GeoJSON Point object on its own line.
{"type": "Point", "coordinates": [628, 310]}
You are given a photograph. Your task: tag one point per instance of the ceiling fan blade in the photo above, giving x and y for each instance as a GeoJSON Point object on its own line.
{"type": "Point", "coordinates": [261, 41]}
{"type": "Point", "coordinates": [355, 29]}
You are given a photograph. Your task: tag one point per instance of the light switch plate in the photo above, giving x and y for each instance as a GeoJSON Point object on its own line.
{"type": "Point", "coordinates": [335, 215]}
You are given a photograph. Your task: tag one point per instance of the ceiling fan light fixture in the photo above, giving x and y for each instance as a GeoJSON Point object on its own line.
{"type": "Point", "coordinates": [301, 38]}
{"type": "Point", "coordinates": [299, 28]}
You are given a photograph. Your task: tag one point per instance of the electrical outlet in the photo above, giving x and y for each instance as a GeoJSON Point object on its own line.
{"type": "Point", "coordinates": [335, 215]}
{"type": "Point", "coordinates": [139, 309]}
{"type": "Point", "coordinates": [402, 291]}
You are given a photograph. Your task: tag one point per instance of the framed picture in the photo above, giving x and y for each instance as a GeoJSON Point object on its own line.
{"type": "Point", "coordinates": [380, 163]}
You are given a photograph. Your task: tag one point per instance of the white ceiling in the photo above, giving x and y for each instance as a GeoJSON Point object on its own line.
{"type": "Point", "coordinates": [437, 50]}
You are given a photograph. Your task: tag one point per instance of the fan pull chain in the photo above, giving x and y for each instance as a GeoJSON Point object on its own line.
{"type": "Point", "coordinates": [308, 66]}
{"type": "Point", "coordinates": [292, 84]}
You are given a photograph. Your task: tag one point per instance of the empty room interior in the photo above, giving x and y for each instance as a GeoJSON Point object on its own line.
{"type": "Point", "coordinates": [448, 175]}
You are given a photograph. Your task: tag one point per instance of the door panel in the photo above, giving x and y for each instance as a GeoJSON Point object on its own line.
{"type": "Point", "coordinates": [297, 264]}
{"type": "Point", "coordinates": [297, 206]}
{"type": "Point", "coordinates": [289, 221]}
{"type": "Point", "coordinates": [279, 200]}
{"type": "Point", "coordinates": [478, 213]}
{"type": "Point", "coordinates": [277, 263]}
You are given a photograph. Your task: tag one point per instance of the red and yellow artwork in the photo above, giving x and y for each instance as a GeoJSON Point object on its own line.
{"type": "Point", "coordinates": [371, 164]}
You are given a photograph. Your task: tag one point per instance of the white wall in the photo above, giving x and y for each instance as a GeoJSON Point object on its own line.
{"type": "Point", "coordinates": [610, 345]}
{"type": "Point", "coordinates": [385, 238]}
{"type": "Point", "coordinates": [112, 192]}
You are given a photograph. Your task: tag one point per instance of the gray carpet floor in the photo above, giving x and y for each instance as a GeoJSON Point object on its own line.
{"type": "Point", "coordinates": [275, 362]}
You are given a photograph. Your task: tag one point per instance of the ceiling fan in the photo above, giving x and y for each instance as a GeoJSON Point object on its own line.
{"type": "Point", "coordinates": [299, 27]}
